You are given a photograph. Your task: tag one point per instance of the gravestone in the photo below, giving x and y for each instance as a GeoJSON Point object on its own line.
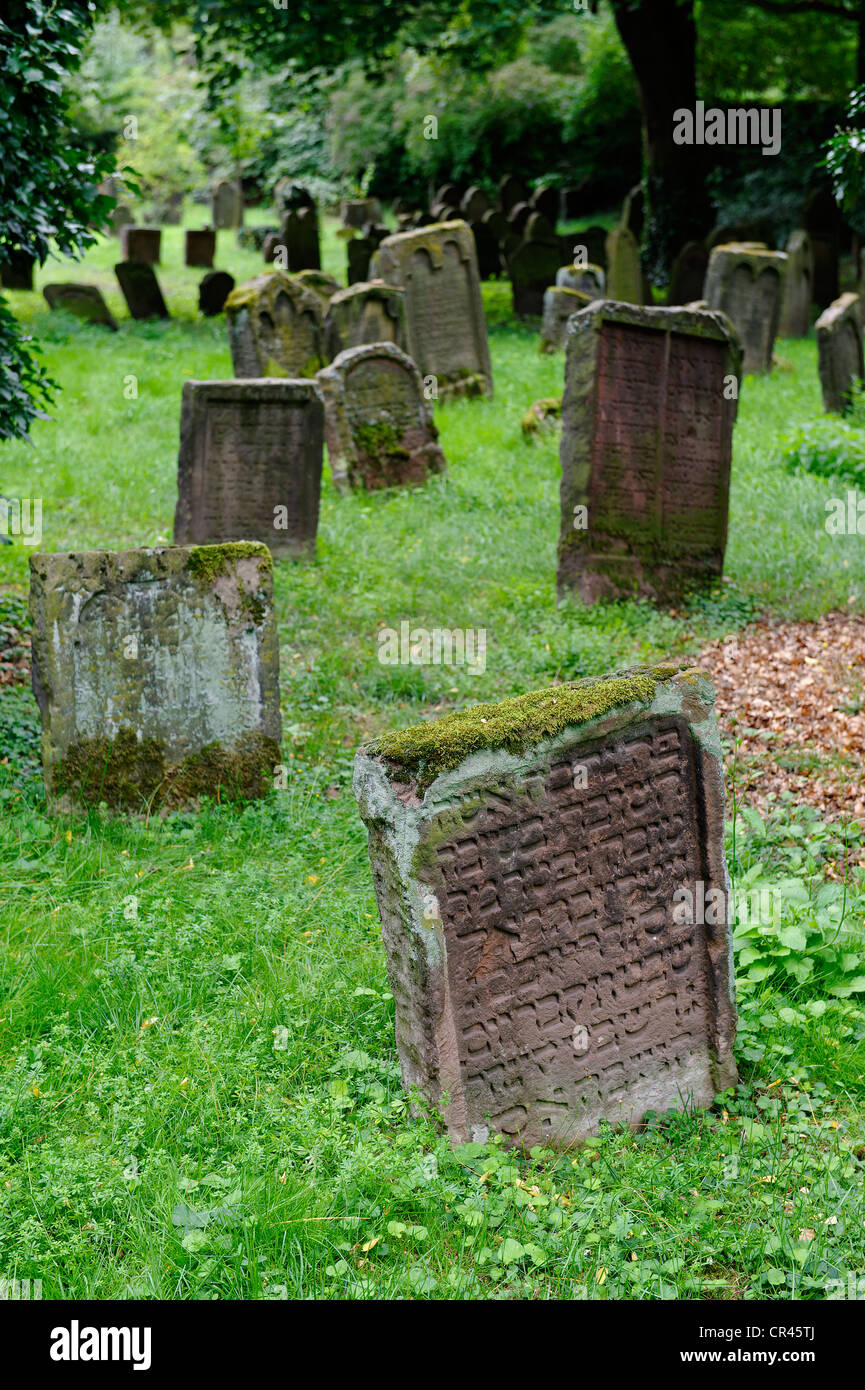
{"type": "Point", "coordinates": [593, 241]}
{"type": "Point", "coordinates": [378, 426]}
{"type": "Point", "coordinates": [449, 195]}
{"type": "Point", "coordinates": [624, 273]}
{"type": "Point", "coordinates": [540, 867]}
{"type": "Point", "coordinates": [758, 230]}
{"type": "Point", "coordinates": [141, 244]}
{"type": "Point", "coordinates": [270, 246]}
{"type": "Point", "coordinates": [590, 280]}
{"type": "Point", "coordinates": [821, 219]}
{"type": "Point", "coordinates": [226, 205]}
{"type": "Point", "coordinates": [275, 327]}
{"type": "Point", "coordinates": [172, 210]}
{"type": "Point", "coordinates": [839, 352]}
{"type": "Point", "coordinates": [688, 274]}
{"type": "Point", "coordinates": [497, 223]}
{"type": "Point", "coordinates": [299, 235]}
{"type": "Point", "coordinates": [486, 250]}
{"type": "Point", "coordinates": [746, 284]}
{"type": "Point", "coordinates": [532, 268]}
{"type": "Point", "coordinates": [798, 287]}
{"type": "Point", "coordinates": [213, 291]}
{"type": "Point", "coordinates": [122, 216]}
{"type": "Point", "coordinates": [288, 194]}
{"type": "Point", "coordinates": [511, 191]}
{"type": "Point", "coordinates": [141, 290]}
{"type": "Point", "coordinates": [368, 312]}
{"type": "Point", "coordinates": [646, 440]}
{"type": "Point", "coordinates": [323, 285]}
{"type": "Point", "coordinates": [200, 246]}
{"type": "Point", "coordinates": [559, 305]}
{"type": "Point", "coordinates": [518, 217]}
{"type": "Point", "coordinates": [250, 464]}
{"type": "Point", "coordinates": [356, 212]}
{"type": "Point", "coordinates": [545, 200]}
{"type": "Point", "coordinates": [474, 204]}
{"type": "Point", "coordinates": [446, 331]}
{"type": "Point", "coordinates": [157, 675]}
{"type": "Point", "coordinates": [84, 301]}
{"type": "Point", "coordinates": [359, 251]}
{"type": "Point", "coordinates": [632, 212]}
{"type": "Point", "coordinates": [16, 268]}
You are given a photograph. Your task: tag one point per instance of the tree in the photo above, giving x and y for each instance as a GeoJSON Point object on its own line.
{"type": "Point", "coordinates": [48, 184]}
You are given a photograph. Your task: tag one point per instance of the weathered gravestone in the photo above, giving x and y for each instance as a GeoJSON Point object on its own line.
{"type": "Point", "coordinates": [16, 268]}
{"type": "Point", "coordinates": [486, 250]}
{"type": "Point", "coordinates": [121, 217]}
{"type": "Point", "coordinates": [588, 279]}
{"type": "Point", "coordinates": [356, 212]}
{"type": "Point", "coordinates": [746, 284]}
{"type": "Point", "coordinates": [839, 352]}
{"type": "Point", "coordinates": [449, 195]}
{"type": "Point", "coordinates": [250, 464]}
{"type": "Point", "coordinates": [84, 301]}
{"type": "Point", "coordinates": [559, 305]}
{"type": "Point", "coordinates": [321, 284]}
{"type": "Point", "coordinates": [213, 291]}
{"type": "Point", "coordinates": [157, 674]}
{"type": "Point", "coordinates": [446, 330]}
{"type": "Point", "coordinates": [533, 267]}
{"type": "Point", "coordinates": [542, 868]}
{"type": "Point", "coordinates": [141, 244]}
{"type": "Point", "coordinates": [511, 191]}
{"type": "Point", "coordinates": [688, 274]}
{"type": "Point", "coordinates": [518, 217]}
{"type": "Point", "coordinates": [141, 290]}
{"type": "Point", "coordinates": [545, 200]}
{"type": "Point", "coordinates": [624, 272]}
{"type": "Point", "coordinates": [200, 246]}
{"type": "Point", "coordinates": [647, 428]}
{"type": "Point", "coordinates": [591, 243]}
{"type": "Point", "coordinates": [798, 287]}
{"type": "Point", "coordinates": [359, 252]}
{"type": "Point", "coordinates": [299, 235]}
{"type": "Point", "coordinates": [378, 426]}
{"type": "Point", "coordinates": [369, 312]}
{"type": "Point", "coordinates": [474, 204]}
{"type": "Point", "coordinates": [633, 211]}
{"type": "Point", "coordinates": [226, 205]}
{"type": "Point", "coordinates": [275, 327]}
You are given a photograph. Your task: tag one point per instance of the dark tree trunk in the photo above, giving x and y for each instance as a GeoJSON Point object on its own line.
{"type": "Point", "coordinates": [660, 38]}
{"type": "Point", "coordinates": [860, 50]}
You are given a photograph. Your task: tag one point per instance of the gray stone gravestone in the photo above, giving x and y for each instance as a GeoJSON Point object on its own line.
{"type": "Point", "coordinates": [141, 290]}
{"type": "Point", "coordinates": [275, 327]}
{"type": "Point", "coordinates": [84, 301]}
{"type": "Point", "coordinates": [532, 268]}
{"type": "Point", "coordinates": [226, 205]}
{"type": "Point", "coordinates": [559, 305]}
{"type": "Point", "coordinates": [632, 212]}
{"type": "Point", "coordinates": [593, 241]}
{"type": "Point", "coordinates": [541, 868]}
{"type": "Point", "coordinates": [157, 675]}
{"type": "Point", "coordinates": [250, 464]}
{"type": "Point", "coordinates": [839, 352]}
{"type": "Point", "coordinates": [141, 244]}
{"type": "Point", "coordinates": [214, 289]}
{"type": "Point", "coordinates": [511, 191]}
{"type": "Point", "coordinates": [624, 273]}
{"type": "Point", "coordinates": [486, 250]}
{"type": "Point", "coordinates": [545, 200]}
{"type": "Point", "coordinates": [359, 252]}
{"type": "Point", "coordinates": [746, 284]}
{"type": "Point", "coordinates": [821, 219]}
{"type": "Point", "coordinates": [200, 246]}
{"type": "Point", "coordinates": [368, 312]}
{"type": "Point", "coordinates": [474, 204]}
{"type": "Point", "coordinates": [356, 212]}
{"type": "Point", "coordinates": [798, 287]}
{"type": "Point", "coordinates": [321, 284]}
{"type": "Point", "coordinates": [647, 425]}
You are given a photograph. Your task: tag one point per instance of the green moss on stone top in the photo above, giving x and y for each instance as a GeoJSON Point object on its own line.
{"type": "Point", "coordinates": [515, 725]}
{"type": "Point", "coordinates": [208, 562]}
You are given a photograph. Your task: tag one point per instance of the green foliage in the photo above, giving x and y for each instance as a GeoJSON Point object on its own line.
{"type": "Point", "coordinates": [829, 447]}
{"type": "Point", "coordinates": [845, 160]}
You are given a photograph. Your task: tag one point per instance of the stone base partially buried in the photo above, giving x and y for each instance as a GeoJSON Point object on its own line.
{"type": "Point", "coordinates": [551, 880]}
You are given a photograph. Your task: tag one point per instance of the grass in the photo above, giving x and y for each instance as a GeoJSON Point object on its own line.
{"type": "Point", "coordinates": [199, 1094]}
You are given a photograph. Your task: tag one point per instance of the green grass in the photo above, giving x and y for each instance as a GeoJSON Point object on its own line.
{"type": "Point", "coordinates": [199, 1094]}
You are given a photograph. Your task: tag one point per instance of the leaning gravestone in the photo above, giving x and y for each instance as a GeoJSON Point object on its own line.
{"type": "Point", "coordinates": [141, 244]}
{"type": "Point", "coordinates": [84, 301]}
{"type": "Point", "coordinates": [559, 305]}
{"type": "Point", "coordinates": [16, 268]}
{"type": "Point", "coordinates": [624, 273]}
{"type": "Point", "coordinates": [689, 274]}
{"type": "Point", "coordinates": [141, 290]}
{"type": "Point", "coordinates": [250, 464]}
{"type": "Point", "coordinates": [798, 287]}
{"type": "Point", "coordinates": [226, 205]}
{"type": "Point", "coordinates": [746, 284]}
{"type": "Point", "coordinates": [445, 326]}
{"type": "Point", "coordinates": [647, 426]}
{"type": "Point", "coordinates": [275, 327]}
{"type": "Point", "coordinates": [200, 246]}
{"type": "Point", "coordinates": [157, 675]}
{"type": "Point", "coordinates": [213, 291]}
{"type": "Point", "coordinates": [369, 312]}
{"type": "Point", "coordinates": [378, 426]}
{"type": "Point", "coordinates": [541, 868]}
{"type": "Point", "coordinates": [839, 352]}
{"type": "Point", "coordinates": [588, 279]}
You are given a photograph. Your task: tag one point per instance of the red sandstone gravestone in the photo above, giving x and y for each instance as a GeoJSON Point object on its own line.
{"type": "Point", "coordinates": [533, 862]}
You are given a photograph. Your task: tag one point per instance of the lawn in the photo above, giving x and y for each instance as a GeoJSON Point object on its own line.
{"type": "Point", "coordinates": [199, 1092]}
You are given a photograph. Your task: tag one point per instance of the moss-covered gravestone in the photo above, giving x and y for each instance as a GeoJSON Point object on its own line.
{"type": "Point", "coordinates": [446, 331]}
{"type": "Point", "coordinates": [84, 301]}
{"type": "Point", "coordinates": [141, 244]}
{"type": "Point", "coordinates": [378, 424]}
{"type": "Point", "coordinates": [647, 424]}
{"type": "Point", "coordinates": [559, 304]}
{"type": "Point", "coordinates": [250, 464]}
{"type": "Point", "coordinates": [275, 327]}
{"type": "Point", "coordinates": [156, 673]}
{"type": "Point", "coordinates": [542, 869]}
{"type": "Point", "coordinates": [368, 312]}
{"type": "Point", "coordinates": [747, 285]}
{"type": "Point", "coordinates": [141, 290]}
{"type": "Point", "coordinates": [839, 352]}
{"type": "Point", "coordinates": [588, 279]}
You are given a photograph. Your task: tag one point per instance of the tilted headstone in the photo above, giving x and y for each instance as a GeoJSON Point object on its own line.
{"type": "Point", "coordinates": [839, 352]}
{"type": "Point", "coordinates": [226, 205]}
{"type": "Point", "coordinates": [141, 244]}
{"type": "Point", "coordinates": [511, 191]}
{"type": "Point", "coordinates": [446, 331]}
{"type": "Point", "coordinates": [378, 426]}
{"type": "Point", "coordinates": [356, 212]}
{"type": "Point", "coordinates": [798, 287]}
{"type": "Point", "coordinates": [486, 250]}
{"type": "Point", "coordinates": [474, 204]}
{"type": "Point", "coordinates": [299, 235]}
{"type": "Point", "coordinates": [275, 327]}
{"type": "Point", "coordinates": [141, 290]}
{"type": "Point", "coordinates": [559, 305]}
{"type": "Point", "coordinates": [553, 894]}
{"type": "Point", "coordinates": [589, 279]}
{"type": "Point", "coordinates": [84, 301]}
{"type": "Point", "coordinates": [16, 268]}
{"type": "Point", "coordinates": [157, 675]}
{"type": "Point", "coordinates": [368, 312]}
{"type": "Point", "coordinates": [200, 246]}
{"type": "Point", "coordinates": [647, 427]}
{"type": "Point", "coordinates": [545, 200]}
{"type": "Point", "coordinates": [747, 285]}
{"type": "Point", "coordinates": [689, 274]}
{"type": "Point", "coordinates": [213, 291]}
{"type": "Point", "coordinates": [250, 464]}
{"type": "Point", "coordinates": [624, 273]}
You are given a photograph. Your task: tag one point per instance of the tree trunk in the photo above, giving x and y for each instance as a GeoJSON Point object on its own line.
{"type": "Point", "coordinates": [661, 41]}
